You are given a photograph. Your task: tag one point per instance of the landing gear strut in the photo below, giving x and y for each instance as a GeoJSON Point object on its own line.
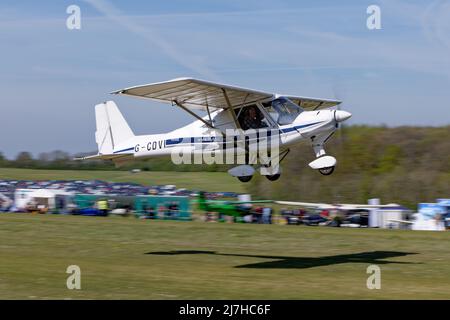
{"type": "Point", "coordinates": [275, 176]}
{"type": "Point", "coordinates": [324, 164]}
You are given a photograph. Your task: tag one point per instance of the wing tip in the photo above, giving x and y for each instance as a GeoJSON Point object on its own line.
{"type": "Point", "coordinates": [123, 91]}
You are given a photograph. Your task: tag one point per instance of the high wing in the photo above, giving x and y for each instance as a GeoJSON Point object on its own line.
{"type": "Point", "coordinates": [401, 221]}
{"type": "Point", "coordinates": [341, 206]}
{"type": "Point", "coordinates": [303, 204]}
{"type": "Point", "coordinates": [203, 95]}
{"type": "Point", "coordinates": [312, 103]}
{"type": "Point", "coordinates": [248, 202]}
{"type": "Point", "coordinates": [196, 94]}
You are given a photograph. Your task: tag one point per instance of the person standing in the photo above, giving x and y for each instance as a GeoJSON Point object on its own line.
{"type": "Point", "coordinates": [266, 213]}
{"type": "Point", "coordinates": [103, 206]}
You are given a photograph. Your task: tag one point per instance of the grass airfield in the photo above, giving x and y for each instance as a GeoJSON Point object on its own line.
{"type": "Point", "coordinates": [128, 258]}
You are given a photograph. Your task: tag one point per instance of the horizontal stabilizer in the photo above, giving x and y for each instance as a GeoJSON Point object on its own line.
{"type": "Point", "coordinates": [105, 156]}
{"type": "Point", "coordinates": [94, 157]}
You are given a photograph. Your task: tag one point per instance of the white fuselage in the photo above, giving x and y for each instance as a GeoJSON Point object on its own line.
{"type": "Point", "coordinates": [198, 136]}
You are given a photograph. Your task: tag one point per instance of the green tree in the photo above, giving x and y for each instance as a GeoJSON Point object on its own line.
{"type": "Point", "coordinates": [3, 160]}
{"type": "Point", "coordinates": [24, 160]}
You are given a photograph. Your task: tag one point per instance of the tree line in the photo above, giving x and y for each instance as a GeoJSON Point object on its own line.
{"type": "Point", "coordinates": [61, 160]}
{"type": "Point", "coordinates": [404, 165]}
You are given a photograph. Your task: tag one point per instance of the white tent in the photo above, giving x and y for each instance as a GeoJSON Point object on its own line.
{"type": "Point", "coordinates": [46, 197]}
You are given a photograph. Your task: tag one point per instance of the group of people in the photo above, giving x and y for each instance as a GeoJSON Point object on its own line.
{"type": "Point", "coordinates": [262, 215]}
{"type": "Point", "coordinates": [168, 211]}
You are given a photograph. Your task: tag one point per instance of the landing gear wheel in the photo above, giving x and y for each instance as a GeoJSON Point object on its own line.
{"type": "Point", "coordinates": [273, 177]}
{"type": "Point", "coordinates": [326, 171]}
{"type": "Point", "coordinates": [245, 178]}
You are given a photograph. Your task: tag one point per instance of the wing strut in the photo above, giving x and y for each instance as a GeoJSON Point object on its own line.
{"type": "Point", "coordinates": [318, 106]}
{"type": "Point", "coordinates": [230, 107]}
{"type": "Point", "coordinates": [207, 110]}
{"type": "Point", "coordinates": [208, 124]}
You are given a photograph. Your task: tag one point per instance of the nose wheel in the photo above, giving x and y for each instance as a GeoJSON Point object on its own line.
{"type": "Point", "coordinates": [324, 164]}
{"type": "Point", "coordinates": [326, 171]}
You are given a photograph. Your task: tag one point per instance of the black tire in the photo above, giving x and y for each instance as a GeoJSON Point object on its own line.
{"type": "Point", "coordinates": [273, 177]}
{"type": "Point", "coordinates": [326, 171]}
{"type": "Point", "coordinates": [245, 178]}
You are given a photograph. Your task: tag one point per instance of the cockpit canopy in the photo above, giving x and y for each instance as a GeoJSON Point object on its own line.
{"type": "Point", "coordinates": [282, 110]}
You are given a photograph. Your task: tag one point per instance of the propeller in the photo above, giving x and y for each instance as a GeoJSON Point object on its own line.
{"type": "Point", "coordinates": [339, 94]}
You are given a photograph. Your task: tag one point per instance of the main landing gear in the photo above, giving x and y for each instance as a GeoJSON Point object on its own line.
{"type": "Point", "coordinates": [245, 178]}
{"type": "Point", "coordinates": [245, 172]}
{"type": "Point", "coordinates": [326, 171]}
{"type": "Point", "coordinates": [273, 177]}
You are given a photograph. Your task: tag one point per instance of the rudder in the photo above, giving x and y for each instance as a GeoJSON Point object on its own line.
{"type": "Point", "coordinates": [112, 128]}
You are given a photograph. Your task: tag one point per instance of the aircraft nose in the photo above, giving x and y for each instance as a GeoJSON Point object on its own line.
{"type": "Point", "coordinates": [341, 115]}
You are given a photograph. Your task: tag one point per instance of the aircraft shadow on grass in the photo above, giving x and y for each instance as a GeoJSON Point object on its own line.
{"type": "Point", "coordinates": [282, 262]}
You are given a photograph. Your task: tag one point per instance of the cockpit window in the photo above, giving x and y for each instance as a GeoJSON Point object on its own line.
{"type": "Point", "coordinates": [283, 110]}
{"type": "Point", "coordinates": [250, 117]}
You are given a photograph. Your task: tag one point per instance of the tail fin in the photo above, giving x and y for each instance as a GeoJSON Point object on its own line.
{"type": "Point", "coordinates": [112, 129]}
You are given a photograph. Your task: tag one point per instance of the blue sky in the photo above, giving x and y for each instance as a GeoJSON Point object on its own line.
{"type": "Point", "coordinates": [52, 77]}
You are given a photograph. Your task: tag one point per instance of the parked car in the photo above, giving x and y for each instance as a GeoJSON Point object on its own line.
{"type": "Point", "coordinates": [313, 219]}
{"type": "Point", "coordinates": [356, 219]}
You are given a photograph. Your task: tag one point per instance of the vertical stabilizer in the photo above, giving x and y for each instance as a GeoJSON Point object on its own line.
{"type": "Point", "coordinates": [112, 128]}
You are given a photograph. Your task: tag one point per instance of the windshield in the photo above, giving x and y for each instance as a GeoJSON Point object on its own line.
{"type": "Point", "coordinates": [283, 110]}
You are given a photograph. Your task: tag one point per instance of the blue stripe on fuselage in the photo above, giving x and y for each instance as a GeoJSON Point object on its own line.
{"type": "Point", "coordinates": [123, 150]}
{"type": "Point", "coordinates": [286, 130]}
{"type": "Point", "coordinates": [174, 141]}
